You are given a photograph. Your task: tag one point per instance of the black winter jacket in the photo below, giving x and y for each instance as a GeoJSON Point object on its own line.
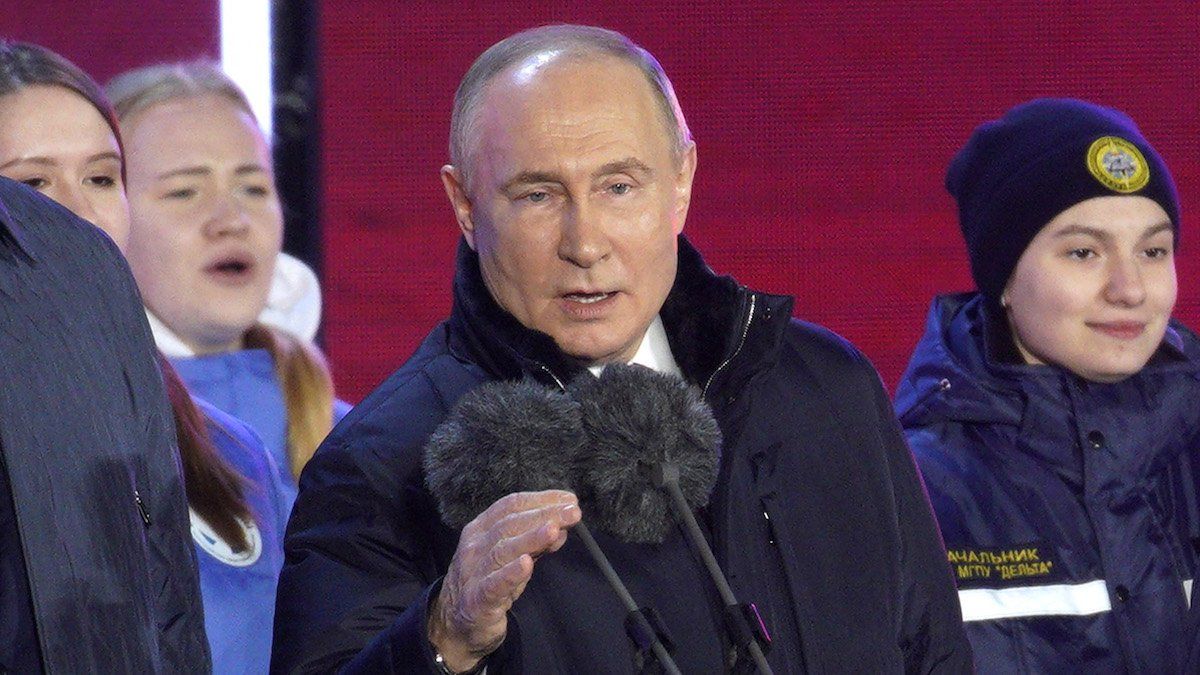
{"type": "Point", "coordinates": [88, 448]}
{"type": "Point", "coordinates": [818, 516]}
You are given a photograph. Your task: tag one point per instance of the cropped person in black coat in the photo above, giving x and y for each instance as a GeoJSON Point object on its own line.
{"type": "Point", "coordinates": [97, 572]}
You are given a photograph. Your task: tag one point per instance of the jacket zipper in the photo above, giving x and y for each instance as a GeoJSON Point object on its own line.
{"type": "Point", "coordinates": [942, 385]}
{"type": "Point", "coordinates": [736, 351]}
{"type": "Point", "coordinates": [549, 372]}
{"type": "Point", "coordinates": [770, 525]}
{"type": "Point", "coordinates": [137, 498]}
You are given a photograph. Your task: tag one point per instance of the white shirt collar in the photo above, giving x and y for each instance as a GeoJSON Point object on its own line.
{"type": "Point", "coordinates": [166, 340]}
{"type": "Point", "coordinates": [654, 352]}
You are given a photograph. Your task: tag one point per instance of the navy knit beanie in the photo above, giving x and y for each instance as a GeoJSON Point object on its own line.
{"type": "Point", "coordinates": [1017, 173]}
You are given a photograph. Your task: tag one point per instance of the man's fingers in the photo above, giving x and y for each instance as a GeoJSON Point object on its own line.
{"type": "Point", "coordinates": [494, 563]}
{"type": "Point", "coordinates": [558, 542]}
{"type": "Point", "coordinates": [519, 522]}
{"type": "Point", "coordinates": [501, 588]}
{"type": "Point", "coordinates": [518, 502]}
{"type": "Point", "coordinates": [536, 533]}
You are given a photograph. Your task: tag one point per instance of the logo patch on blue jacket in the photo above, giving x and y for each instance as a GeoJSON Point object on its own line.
{"type": "Point", "coordinates": [1001, 565]}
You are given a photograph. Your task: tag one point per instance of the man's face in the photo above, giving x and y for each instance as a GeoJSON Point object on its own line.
{"type": "Point", "coordinates": [574, 201]}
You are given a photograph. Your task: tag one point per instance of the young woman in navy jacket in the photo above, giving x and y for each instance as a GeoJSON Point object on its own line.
{"type": "Point", "coordinates": [1053, 411]}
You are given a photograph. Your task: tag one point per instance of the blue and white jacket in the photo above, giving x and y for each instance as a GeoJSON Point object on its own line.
{"type": "Point", "coordinates": [1068, 507]}
{"type": "Point", "coordinates": [243, 383]}
{"type": "Point", "coordinates": [238, 589]}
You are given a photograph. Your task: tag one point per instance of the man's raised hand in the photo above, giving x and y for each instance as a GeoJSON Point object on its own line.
{"type": "Point", "coordinates": [493, 562]}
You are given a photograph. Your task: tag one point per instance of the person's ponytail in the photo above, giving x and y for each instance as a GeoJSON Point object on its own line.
{"type": "Point", "coordinates": [307, 390]}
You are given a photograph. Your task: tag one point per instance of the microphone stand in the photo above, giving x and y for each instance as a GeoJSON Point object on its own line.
{"type": "Point", "coordinates": [743, 621]}
{"type": "Point", "coordinates": [641, 625]}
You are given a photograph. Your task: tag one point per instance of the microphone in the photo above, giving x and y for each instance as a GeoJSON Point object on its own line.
{"type": "Point", "coordinates": [505, 437]}
{"type": "Point", "coordinates": [653, 441]}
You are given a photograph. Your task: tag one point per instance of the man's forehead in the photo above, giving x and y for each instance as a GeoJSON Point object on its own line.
{"type": "Point", "coordinates": [552, 93]}
{"type": "Point", "coordinates": [526, 70]}
{"type": "Point", "coordinates": [548, 73]}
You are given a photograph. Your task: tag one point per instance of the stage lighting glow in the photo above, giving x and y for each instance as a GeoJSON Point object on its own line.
{"type": "Point", "coordinates": [246, 53]}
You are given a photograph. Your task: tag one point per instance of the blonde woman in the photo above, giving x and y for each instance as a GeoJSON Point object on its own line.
{"type": "Point", "coordinates": [204, 245]}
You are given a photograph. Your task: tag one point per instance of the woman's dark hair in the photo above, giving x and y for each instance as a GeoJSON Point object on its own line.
{"type": "Point", "coordinates": [215, 491]}
{"type": "Point", "coordinates": [28, 65]}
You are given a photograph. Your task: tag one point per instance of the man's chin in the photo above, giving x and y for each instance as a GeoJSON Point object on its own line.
{"type": "Point", "coordinates": [594, 352]}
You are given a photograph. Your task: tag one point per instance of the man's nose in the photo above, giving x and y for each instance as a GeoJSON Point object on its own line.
{"type": "Point", "coordinates": [1125, 285]}
{"type": "Point", "coordinates": [584, 240]}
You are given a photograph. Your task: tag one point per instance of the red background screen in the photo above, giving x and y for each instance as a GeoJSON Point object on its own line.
{"type": "Point", "coordinates": [824, 130]}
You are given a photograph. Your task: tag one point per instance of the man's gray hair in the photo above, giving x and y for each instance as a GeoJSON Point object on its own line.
{"type": "Point", "coordinates": [569, 40]}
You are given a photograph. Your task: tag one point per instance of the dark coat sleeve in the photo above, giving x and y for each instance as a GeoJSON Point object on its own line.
{"type": "Point", "coordinates": [178, 610]}
{"type": "Point", "coordinates": [364, 547]}
{"type": "Point", "coordinates": [931, 631]}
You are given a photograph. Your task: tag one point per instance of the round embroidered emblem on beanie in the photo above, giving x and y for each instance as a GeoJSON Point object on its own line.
{"type": "Point", "coordinates": [1118, 164]}
{"type": "Point", "coordinates": [1017, 173]}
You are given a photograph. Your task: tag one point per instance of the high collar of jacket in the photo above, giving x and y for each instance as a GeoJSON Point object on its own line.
{"type": "Point", "coordinates": [707, 318]}
{"type": "Point", "coordinates": [962, 368]}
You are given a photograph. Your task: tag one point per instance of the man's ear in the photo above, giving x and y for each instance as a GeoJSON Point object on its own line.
{"type": "Point", "coordinates": [456, 190]}
{"type": "Point", "coordinates": [683, 185]}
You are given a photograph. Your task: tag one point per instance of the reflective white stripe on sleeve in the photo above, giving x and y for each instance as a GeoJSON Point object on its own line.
{"type": "Point", "coordinates": [1187, 591]}
{"type": "Point", "coordinates": [983, 604]}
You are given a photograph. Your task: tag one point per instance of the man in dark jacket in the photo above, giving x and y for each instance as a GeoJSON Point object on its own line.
{"type": "Point", "coordinates": [97, 571]}
{"type": "Point", "coordinates": [571, 177]}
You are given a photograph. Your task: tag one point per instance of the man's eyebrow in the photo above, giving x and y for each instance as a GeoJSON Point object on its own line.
{"type": "Point", "coordinates": [528, 177]}
{"type": "Point", "coordinates": [249, 168]}
{"type": "Point", "coordinates": [629, 165]}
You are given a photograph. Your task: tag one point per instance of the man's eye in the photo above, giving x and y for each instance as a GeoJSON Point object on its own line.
{"type": "Point", "coordinates": [257, 191]}
{"type": "Point", "coordinates": [181, 193]}
{"type": "Point", "coordinates": [36, 183]}
{"type": "Point", "coordinates": [537, 197]}
{"type": "Point", "coordinates": [1081, 253]}
{"type": "Point", "coordinates": [1156, 252]}
{"type": "Point", "coordinates": [103, 181]}
{"type": "Point", "coordinates": [620, 188]}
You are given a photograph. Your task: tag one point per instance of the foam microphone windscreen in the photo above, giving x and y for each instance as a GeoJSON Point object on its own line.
{"type": "Point", "coordinates": [500, 438]}
{"type": "Point", "coordinates": [635, 419]}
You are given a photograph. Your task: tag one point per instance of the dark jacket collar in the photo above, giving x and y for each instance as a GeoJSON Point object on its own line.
{"type": "Point", "coordinates": [964, 367]}
{"type": "Point", "coordinates": [705, 316]}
